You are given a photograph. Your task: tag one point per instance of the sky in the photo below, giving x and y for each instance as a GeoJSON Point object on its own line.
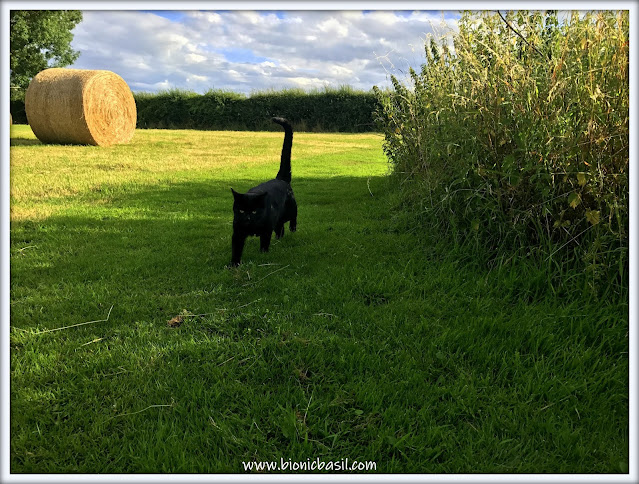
{"type": "Point", "coordinates": [249, 51]}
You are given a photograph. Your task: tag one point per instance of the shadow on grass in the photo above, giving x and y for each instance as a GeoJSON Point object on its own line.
{"type": "Point", "coordinates": [25, 142]}
{"type": "Point", "coordinates": [169, 243]}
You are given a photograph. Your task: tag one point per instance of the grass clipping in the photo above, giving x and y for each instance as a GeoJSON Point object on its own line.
{"type": "Point", "coordinates": [77, 106]}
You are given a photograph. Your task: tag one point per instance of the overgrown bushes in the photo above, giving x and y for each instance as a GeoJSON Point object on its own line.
{"type": "Point", "coordinates": [518, 137]}
{"type": "Point", "coordinates": [342, 110]}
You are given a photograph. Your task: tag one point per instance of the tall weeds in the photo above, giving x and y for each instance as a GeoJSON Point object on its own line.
{"type": "Point", "coordinates": [515, 134]}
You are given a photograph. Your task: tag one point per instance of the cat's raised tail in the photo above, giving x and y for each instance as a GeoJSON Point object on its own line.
{"type": "Point", "coordinates": [285, 164]}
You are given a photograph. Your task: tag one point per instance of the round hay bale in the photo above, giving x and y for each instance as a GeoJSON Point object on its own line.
{"type": "Point", "coordinates": [78, 106]}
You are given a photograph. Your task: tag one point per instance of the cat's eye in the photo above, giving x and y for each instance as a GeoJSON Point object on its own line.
{"type": "Point", "coordinates": [241, 211]}
{"type": "Point", "coordinates": [254, 212]}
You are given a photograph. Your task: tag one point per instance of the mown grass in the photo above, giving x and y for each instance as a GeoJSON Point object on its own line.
{"type": "Point", "coordinates": [354, 337]}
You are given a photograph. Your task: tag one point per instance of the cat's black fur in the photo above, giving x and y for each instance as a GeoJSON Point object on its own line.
{"type": "Point", "coordinates": [265, 209]}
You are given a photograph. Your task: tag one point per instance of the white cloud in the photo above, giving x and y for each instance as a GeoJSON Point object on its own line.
{"type": "Point", "coordinates": [332, 26]}
{"type": "Point", "coordinates": [341, 72]}
{"type": "Point", "coordinates": [308, 82]}
{"type": "Point", "coordinates": [384, 18]}
{"type": "Point", "coordinates": [248, 51]}
{"type": "Point", "coordinates": [194, 58]}
{"type": "Point", "coordinates": [196, 78]}
{"type": "Point", "coordinates": [210, 17]}
{"type": "Point", "coordinates": [157, 86]}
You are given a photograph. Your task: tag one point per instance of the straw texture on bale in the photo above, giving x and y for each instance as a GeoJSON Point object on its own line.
{"type": "Point", "coordinates": [77, 106]}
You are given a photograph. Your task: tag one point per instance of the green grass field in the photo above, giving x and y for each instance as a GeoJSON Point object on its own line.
{"type": "Point", "coordinates": [355, 337]}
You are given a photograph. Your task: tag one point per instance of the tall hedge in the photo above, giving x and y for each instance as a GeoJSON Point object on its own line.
{"type": "Point", "coordinates": [333, 110]}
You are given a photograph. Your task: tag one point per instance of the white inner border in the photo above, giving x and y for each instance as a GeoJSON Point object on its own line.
{"type": "Point", "coordinates": [6, 6]}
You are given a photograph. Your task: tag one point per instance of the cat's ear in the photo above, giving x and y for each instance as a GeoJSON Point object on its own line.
{"type": "Point", "coordinates": [235, 194]}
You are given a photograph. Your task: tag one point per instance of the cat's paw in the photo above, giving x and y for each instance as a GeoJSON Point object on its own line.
{"type": "Point", "coordinates": [232, 265]}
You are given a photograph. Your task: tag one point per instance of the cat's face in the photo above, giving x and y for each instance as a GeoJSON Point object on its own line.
{"type": "Point", "coordinates": [248, 208]}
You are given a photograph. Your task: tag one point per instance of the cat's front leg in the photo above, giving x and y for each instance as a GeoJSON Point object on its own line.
{"type": "Point", "coordinates": [237, 246]}
{"type": "Point", "coordinates": [265, 240]}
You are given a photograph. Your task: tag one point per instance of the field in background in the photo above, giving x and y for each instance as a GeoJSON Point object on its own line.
{"type": "Point", "coordinates": [356, 337]}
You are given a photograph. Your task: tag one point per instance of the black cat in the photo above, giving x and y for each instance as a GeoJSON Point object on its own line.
{"type": "Point", "coordinates": [266, 207]}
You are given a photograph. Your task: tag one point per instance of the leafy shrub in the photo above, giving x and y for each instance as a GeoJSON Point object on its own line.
{"type": "Point", "coordinates": [518, 135]}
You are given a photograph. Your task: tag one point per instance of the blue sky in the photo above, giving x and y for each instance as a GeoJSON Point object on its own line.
{"type": "Point", "coordinates": [174, 16]}
{"type": "Point", "coordinates": [248, 51]}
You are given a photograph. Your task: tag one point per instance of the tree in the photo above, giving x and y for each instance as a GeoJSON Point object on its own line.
{"type": "Point", "coordinates": [40, 39]}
